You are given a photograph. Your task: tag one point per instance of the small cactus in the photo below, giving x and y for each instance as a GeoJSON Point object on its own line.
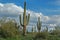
{"type": "Point", "coordinates": [25, 20]}
{"type": "Point", "coordinates": [38, 24]}
{"type": "Point", "coordinates": [32, 29]}
{"type": "Point", "coordinates": [46, 29]}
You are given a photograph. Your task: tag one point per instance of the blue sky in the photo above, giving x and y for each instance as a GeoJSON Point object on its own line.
{"type": "Point", "coordinates": [47, 7]}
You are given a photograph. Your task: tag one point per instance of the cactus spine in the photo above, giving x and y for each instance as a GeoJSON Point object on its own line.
{"type": "Point", "coordinates": [38, 24]}
{"type": "Point", "coordinates": [25, 20]}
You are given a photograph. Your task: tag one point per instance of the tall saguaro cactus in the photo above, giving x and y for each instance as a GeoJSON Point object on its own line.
{"type": "Point", "coordinates": [39, 24]}
{"type": "Point", "coordinates": [25, 19]}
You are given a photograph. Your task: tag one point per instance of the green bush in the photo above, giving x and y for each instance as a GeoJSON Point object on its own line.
{"type": "Point", "coordinates": [55, 32]}
{"type": "Point", "coordinates": [41, 36]}
{"type": "Point", "coordinates": [9, 29]}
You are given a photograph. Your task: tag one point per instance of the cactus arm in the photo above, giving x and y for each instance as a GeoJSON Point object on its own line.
{"type": "Point", "coordinates": [27, 19]}
{"type": "Point", "coordinates": [21, 21]}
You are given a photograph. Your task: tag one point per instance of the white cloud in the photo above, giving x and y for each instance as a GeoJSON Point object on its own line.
{"type": "Point", "coordinates": [1, 5]}
{"type": "Point", "coordinates": [10, 9]}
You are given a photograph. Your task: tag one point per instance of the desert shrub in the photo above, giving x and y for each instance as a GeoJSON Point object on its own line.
{"type": "Point", "coordinates": [41, 36]}
{"type": "Point", "coordinates": [53, 37]}
{"type": "Point", "coordinates": [8, 29]}
{"type": "Point", "coordinates": [55, 32]}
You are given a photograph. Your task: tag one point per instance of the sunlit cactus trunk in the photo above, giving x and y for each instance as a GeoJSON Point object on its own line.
{"type": "Point", "coordinates": [39, 24]}
{"type": "Point", "coordinates": [25, 19]}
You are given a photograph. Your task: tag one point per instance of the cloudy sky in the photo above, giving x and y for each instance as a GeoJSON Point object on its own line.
{"type": "Point", "coordinates": [49, 10]}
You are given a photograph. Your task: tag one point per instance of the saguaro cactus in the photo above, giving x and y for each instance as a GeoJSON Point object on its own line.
{"type": "Point", "coordinates": [25, 20]}
{"type": "Point", "coordinates": [32, 29]}
{"type": "Point", "coordinates": [46, 29]}
{"type": "Point", "coordinates": [39, 24]}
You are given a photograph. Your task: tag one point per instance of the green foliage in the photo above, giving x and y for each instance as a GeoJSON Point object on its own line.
{"type": "Point", "coordinates": [41, 36]}
{"type": "Point", "coordinates": [9, 29]}
{"type": "Point", "coordinates": [53, 37]}
{"type": "Point", "coordinates": [35, 36]}
{"type": "Point", "coordinates": [20, 37]}
{"type": "Point", "coordinates": [56, 31]}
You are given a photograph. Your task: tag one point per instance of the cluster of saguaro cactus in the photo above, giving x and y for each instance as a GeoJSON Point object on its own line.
{"type": "Point", "coordinates": [25, 20]}
{"type": "Point", "coordinates": [39, 24]}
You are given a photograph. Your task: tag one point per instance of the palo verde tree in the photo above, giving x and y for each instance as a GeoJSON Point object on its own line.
{"type": "Point", "coordinates": [39, 24]}
{"type": "Point", "coordinates": [25, 20]}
